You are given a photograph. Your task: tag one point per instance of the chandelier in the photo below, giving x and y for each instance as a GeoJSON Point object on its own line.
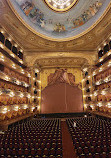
{"type": "Point", "coordinates": [61, 5]}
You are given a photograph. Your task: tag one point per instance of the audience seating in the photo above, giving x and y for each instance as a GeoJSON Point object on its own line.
{"type": "Point", "coordinates": [34, 138]}
{"type": "Point", "coordinates": [91, 137]}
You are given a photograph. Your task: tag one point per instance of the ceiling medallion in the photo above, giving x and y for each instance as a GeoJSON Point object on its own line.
{"type": "Point", "coordinates": [60, 5]}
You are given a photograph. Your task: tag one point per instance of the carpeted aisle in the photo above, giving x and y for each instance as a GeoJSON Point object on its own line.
{"type": "Point", "coordinates": [68, 149]}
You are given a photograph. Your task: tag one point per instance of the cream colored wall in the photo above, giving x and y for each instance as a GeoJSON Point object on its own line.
{"type": "Point", "coordinates": [46, 72]}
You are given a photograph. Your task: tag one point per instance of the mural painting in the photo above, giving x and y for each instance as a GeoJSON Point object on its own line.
{"type": "Point", "coordinates": [61, 76]}
{"type": "Point", "coordinates": [37, 17]}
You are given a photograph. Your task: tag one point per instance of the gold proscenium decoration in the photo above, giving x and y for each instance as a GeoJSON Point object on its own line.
{"type": "Point", "coordinates": [61, 5]}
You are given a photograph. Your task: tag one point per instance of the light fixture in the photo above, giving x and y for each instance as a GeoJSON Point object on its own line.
{"type": "Point", "coordinates": [92, 106]}
{"type": "Point", "coordinates": [11, 94]}
{"type": "Point", "coordinates": [109, 64]}
{"type": "Point", "coordinates": [94, 73]}
{"type": "Point", "coordinates": [33, 108]}
{"type": "Point", "coordinates": [13, 65]}
{"type": "Point", "coordinates": [21, 61]}
{"type": "Point", "coordinates": [83, 80]}
{"type": "Point", "coordinates": [29, 75]}
{"type": "Point", "coordinates": [15, 45]}
{"type": "Point", "coordinates": [90, 95]}
{"type": "Point", "coordinates": [16, 108]}
{"type": "Point", "coordinates": [100, 59]}
{"type": "Point", "coordinates": [95, 94]}
{"type": "Point", "coordinates": [21, 50]}
{"type": "Point", "coordinates": [97, 83]}
{"type": "Point", "coordinates": [109, 53]}
{"type": "Point", "coordinates": [17, 82]}
{"type": "Point", "coordinates": [85, 69]}
{"type": "Point", "coordinates": [25, 106]}
{"type": "Point", "coordinates": [61, 5]}
{"type": "Point", "coordinates": [38, 107]}
{"type": "Point", "coordinates": [85, 105]}
{"type": "Point", "coordinates": [2, 31]}
{"type": "Point", "coordinates": [103, 92]}
{"type": "Point", "coordinates": [7, 78]}
{"type": "Point", "coordinates": [100, 69]}
{"type": "Point", "coordinates": [9, 39]}
{"type": "Point", "coordinates": [4, 111]}
{"type": "Point", "coordinates": [29, 96]}
{"type": "Point", "coordinates": [106, 80]}
{"type": "Point", "coordinates": [36, 70]}
{"type": "Point", "coordinates": [12, 55]}
{"type": "Point", "coordinates": [99, 104]}
{"type": "Point", "coordinates": [2, 58]}
{"type": "Point", "coordinates": [21, 95]}
{"type": "Point", "coordinates": [22, 71]}
{"type": "Point", "coordinates": [26, 85]}
{"type": "Point", "coordinates": [1, 45]}
{"type": "Point", "coordinates": [104, 43]}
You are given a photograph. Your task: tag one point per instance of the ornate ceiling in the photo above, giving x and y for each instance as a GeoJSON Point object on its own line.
{"type": "Point", "coordinates": [38, 47]}
{"type": "Point", "coordinates": [56, 25]}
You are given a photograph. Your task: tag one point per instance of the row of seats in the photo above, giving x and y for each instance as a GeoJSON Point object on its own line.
{"type": "Point", "coordinates": [91, 137]}
{"type": "Point", "coordinates": [35, 138]}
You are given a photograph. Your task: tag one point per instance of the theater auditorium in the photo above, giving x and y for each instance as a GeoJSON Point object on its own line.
{"type": "Point", "coordinates": [55, 78]}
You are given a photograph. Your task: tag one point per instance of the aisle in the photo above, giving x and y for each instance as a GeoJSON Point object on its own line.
{"type": "Point", "coordinates": [68, 149]}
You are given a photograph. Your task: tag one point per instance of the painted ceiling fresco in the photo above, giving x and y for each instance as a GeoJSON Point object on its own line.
{"type": "Point", "coordinates": [57, 25]}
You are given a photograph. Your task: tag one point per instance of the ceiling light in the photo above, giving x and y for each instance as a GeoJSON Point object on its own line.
{"type": "Point", "coordinates": [55, 5]}
{"type": "Point", "coordinates": [68, 4]}
{"type": "Point", "coordinates": [61, 7]}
